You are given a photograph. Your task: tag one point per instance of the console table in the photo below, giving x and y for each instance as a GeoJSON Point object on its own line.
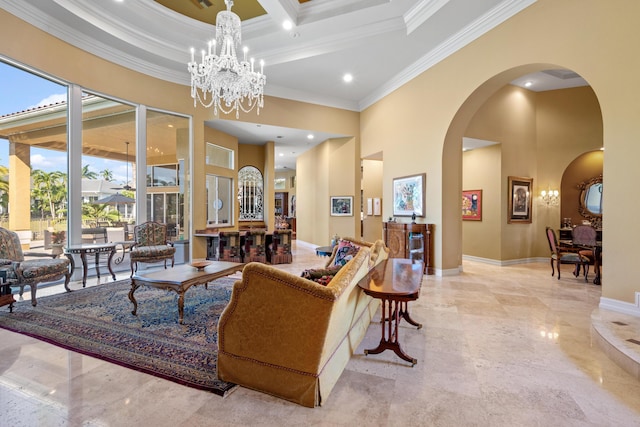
{"type": "Point", "coordinates": [395, 281]}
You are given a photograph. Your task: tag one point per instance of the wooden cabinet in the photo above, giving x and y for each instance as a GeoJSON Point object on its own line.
{"type": "Point", "coordinates": [281, 207]}
{"type": "Point", "coordinates": [411, 241]}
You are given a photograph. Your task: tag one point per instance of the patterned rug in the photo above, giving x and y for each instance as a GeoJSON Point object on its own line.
{"type": "Point", "coordinates": [97, 321]}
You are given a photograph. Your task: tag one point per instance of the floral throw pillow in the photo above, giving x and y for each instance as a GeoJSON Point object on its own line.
{"type": "Point", "coordinates": [321, 276]}
{"type": "Point", "coordinates": [345, 253]}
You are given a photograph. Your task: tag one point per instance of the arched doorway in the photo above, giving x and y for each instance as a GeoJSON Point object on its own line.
{"type": "Point", "coordinates": [538, 135]}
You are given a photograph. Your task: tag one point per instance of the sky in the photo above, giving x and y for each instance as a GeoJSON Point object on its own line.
{"type": "Point", "coordinates": [21, 90]}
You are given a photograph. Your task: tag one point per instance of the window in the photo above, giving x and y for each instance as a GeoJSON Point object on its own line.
{"type": "Point", "coordinates": [250, 194]}
{"type": "Point", "coordinates": [219, 156]}
{"type": "Point", "coordinates": [219, 200]}
{"type": "Point", "coordinates": [162, 176]}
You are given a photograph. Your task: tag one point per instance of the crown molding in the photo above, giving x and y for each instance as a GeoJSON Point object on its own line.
{"type": "Point", "coordinates": [480, 26]}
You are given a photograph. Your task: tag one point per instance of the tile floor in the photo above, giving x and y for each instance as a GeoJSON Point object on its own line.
{"type": "Point", "coordinates": [500, 346]}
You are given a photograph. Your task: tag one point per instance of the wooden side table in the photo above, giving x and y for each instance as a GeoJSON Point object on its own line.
{"type": "Point", "coordinates": [395, 281]}
{"type": "Point", "coordinates": [95, 249]}
{"type": "Point", "coordinates": [6, 296]}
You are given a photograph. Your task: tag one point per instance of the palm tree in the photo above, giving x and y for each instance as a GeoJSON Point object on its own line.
{"type": "Point", "coordinates": [106, 174]}
{"type": "Point", "coordinates": [86, 173]}
{"type": "Point", "coordinates": [98, 212]}
{"type": "Point", "coordinates": [50, 188]}
{"type": "Point", "coordinates": [4, 188]}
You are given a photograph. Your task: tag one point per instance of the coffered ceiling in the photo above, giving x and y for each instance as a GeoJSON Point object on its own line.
{"type": "Point", "coordinates": [382, 43]}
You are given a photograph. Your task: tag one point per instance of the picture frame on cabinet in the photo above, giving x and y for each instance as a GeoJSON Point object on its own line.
{"type": "Point", "coordinates": [408, 195]}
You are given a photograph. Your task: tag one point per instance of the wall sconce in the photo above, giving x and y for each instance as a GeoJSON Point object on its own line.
{"type": "Point", "coordinates": [550, 197]}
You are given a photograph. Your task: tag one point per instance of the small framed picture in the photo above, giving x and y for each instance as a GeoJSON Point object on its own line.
{"type": "Point", "coordinates": [472, 205]}
{"type": "Point", "coordinates": [519, 204]}
{"type": "Point", "coordinates": [342, 206]}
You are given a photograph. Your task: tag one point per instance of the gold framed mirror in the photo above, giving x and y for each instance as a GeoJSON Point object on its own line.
{"type": "Point", "coordinates": [590, 205]}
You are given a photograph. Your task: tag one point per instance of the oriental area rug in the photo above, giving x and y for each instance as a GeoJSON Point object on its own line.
{"type": "Point", "coordinates": [97, 321]}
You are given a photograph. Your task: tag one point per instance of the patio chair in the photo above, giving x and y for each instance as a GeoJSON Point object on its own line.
{"type": "Point", "coordinates": [150, 245]}
{"type": "Point", "coordinates": [23, 272]}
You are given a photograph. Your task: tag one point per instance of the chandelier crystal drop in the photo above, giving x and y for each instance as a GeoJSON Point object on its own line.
{"type": "Point", "coordinates": [221, 79]}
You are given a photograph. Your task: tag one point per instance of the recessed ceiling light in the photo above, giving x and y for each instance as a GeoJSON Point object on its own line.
{"type": "Point", "coordinates": [347, 78]}
{"type": "Point", "coordinates": [281, 154]}
{"type": "Point", "coordinates": [287, 25]}
{"type": "Point", "coordinates": [528, 84]}
{"type": "Point", "coordinates": [310, 136]}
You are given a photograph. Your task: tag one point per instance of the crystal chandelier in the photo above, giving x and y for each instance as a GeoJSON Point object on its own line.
{"type": "Point", "coordinates": [220, 79]}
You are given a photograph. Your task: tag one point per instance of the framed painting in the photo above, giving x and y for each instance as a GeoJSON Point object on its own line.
{"type": "Point", "coordinates": [519, 204]}
{"type": "Point", "coordinates": [342, 206]}
{"type": "Point", "coordinates": [472, 205]}
{"type": "Point", "coordinates": [408, 195]}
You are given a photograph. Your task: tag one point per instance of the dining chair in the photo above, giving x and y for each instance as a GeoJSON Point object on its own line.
{"type": "Point", "coordinates": [561, 257]}
{"type": "Point", "coordinates": [584, 239]}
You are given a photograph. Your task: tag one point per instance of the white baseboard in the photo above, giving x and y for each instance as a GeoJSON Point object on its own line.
{"type": "Point", "coordinates": [501, 263]}
{"type": "Point", "coordinates": [620, 306]}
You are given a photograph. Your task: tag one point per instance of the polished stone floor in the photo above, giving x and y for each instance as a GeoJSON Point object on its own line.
{"type": "Point", "coordinates": [500, 346]}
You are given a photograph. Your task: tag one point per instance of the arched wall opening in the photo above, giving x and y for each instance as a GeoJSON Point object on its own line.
{"type": "Point", "coordinates": [538, 134]}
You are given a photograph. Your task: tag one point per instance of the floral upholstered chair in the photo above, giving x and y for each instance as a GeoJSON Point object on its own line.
{"type": "Point", "coordinates": [151, 245]}
{"type": "Point", "coordinates": [29, 272]}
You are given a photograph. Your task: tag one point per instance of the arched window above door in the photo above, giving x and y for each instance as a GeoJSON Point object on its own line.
{"type": "Point", "coordinates": [251, 194]}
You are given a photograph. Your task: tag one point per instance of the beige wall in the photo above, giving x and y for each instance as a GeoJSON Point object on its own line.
{"type": "Point", "coordinates": [419, 127]}
{"type": "Point", "coordinates": [372, 188]}
{"type": "Point", "coordinates": [429, 115]}
{"type": "Point", "coordinates": [482, 171]}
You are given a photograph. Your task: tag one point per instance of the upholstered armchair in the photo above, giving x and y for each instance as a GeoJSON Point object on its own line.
{"type": "Point", "coordinates": [29, 272]}
{"type": "Point", "coordinates": [255, 246]}
{"type": "Point", "coordinates": [281, 247]}
{"type": "Point", "coordinates": [150, 245]}
{"type": "Point", "coordinates": [230, 248]}
{"type": "Point", "coordinates": [559, 257]}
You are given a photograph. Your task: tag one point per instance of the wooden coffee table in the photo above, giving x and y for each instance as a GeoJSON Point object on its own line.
{"type": "Point", "coordinates": [180, 278]}
{"type": "Point", "coordinates": [396, 281]}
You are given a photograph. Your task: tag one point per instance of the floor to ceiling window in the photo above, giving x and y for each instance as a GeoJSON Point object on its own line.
{"type": "Point", "coordinates": [33, 153]}
{"type": "Point", "coordinates": [108, 161]}
{"type": "Point", "coordinates": [37, 174]}
{"type": "Point", "coordinates": [168, 165]}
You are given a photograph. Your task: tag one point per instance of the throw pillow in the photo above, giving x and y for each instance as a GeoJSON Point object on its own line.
{"type": "Point", "coordinates": [345, 253]}
{"type": "Point", "coordinates": [321, 276]}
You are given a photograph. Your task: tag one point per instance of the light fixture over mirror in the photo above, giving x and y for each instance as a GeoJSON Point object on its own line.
{"type": "Point", "coordinates": [550, 197]}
